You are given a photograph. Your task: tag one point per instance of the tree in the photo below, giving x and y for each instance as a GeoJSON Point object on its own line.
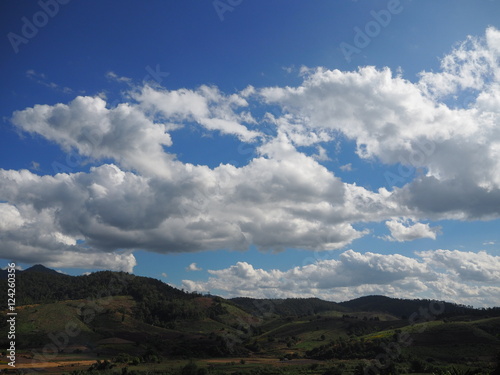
{"type": "Point", "coordinates": [190, 369]}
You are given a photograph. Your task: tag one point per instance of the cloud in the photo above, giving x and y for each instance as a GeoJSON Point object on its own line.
{"type": "Point", "coordinates": [468, 266]}
{"type": "Point", "coordinates": [406, 125]}
{"type": "Point", "coordinates": [409, 232]}
{"type": "Point", "coordinates": [17, 267]}
{"type": "Point", "coordinates": [10, 217]}
{"type": "Point", "coordinates": [353, 269]}
{"type": "Point", "coordinates": [269, 203]}
{"type": "Point", "coordinates": [144, 198]}
{"type": "Point", "coordinates": [458, 198]}
{"type": "Point", "coordinates": [193, 267]}
{"type": "Point", "coordinates": [86, 125]}
{"type": "Point", "coordinates": [43, 80]}
{"type": "Point", "coordinates": [471, 65]}
{"type": "Point", "coordinates": [35, 166]}
{"type": "Point", "coordinates": [355, 274]}
{"type": "Point", "coordinates": [207, 106]}
{"type": "Point", "coordinates": [322, 154]}
{"type": "Point", "coordinates": [346, 168]}
{"type": "Point", "coordinates": [163, 274]}
{"type": "Point", "coordinates": [112, 76]}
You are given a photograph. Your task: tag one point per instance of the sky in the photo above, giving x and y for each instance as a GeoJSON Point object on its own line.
{"type": "Point", "coordinates": [268, 149]}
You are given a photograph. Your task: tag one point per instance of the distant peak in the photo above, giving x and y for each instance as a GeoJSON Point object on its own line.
{"type": "Point", "coordinates": [42, 269]}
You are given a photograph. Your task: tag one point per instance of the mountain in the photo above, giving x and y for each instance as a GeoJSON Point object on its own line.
{"type": "Point", "coordinates": [39, 284]}
{"type": "Point", "coordinates": [36, 268]}
{"type": "Point", "coordinates": [41, 269]}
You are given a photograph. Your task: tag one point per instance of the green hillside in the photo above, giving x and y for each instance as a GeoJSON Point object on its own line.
{"type": "Point", "coordinates": [287, 307]}
{"type": "Point", "coordinates": [138, 321]}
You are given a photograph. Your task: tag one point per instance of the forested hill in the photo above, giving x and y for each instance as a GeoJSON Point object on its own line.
{"type": "Point", "coordinates": [404, 308]}
{"type": "Point", "coordinates": [39, 284]}
{"type": "Point", "coordinates": [36, 268]}
{"type": "Point", "coordinates": [287, 307]}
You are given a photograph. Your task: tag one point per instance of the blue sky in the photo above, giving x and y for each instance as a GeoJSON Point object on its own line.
{"type": "Point", "coordinates": [267, 149]}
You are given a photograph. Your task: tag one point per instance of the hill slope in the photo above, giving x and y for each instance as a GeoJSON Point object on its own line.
{"type": "Point", "coordinates": [287, 307]}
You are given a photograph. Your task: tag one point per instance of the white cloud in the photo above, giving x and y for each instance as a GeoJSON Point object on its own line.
{"type": "Point", "coordinates": [115, 77]}
{"type": "Point", "coordinates": [405, 231]}
{"type": "Point", "coordinates": [282, 198]}
{"type": "Point", "coordinates": [351, 270]}
{"type": "Point", "coordinates": [86, 125]}
{"type": "Point", "coordinates": [17, 267]}
{"type": "Point", "coordinates": [269, 203]}
{"type": "Point", "coordinates": [450, 289]}
{"type": "Point", "coordinates": [10, 217]}
{"type": "Point", "coordinates": [471, 65]}
{"type": "Point", "coordinates": [43, 80]}
{"type": "Point", "coordinates": [346, 167]}
{"type": "Point", "coordinates": [396, 121]}
{"type": "Point", "coordinates": [206, 105]}
{"type": "Point", "coordinates": [322, 154]}
{"type": "Point", "coordinates": [471, 266]}
{"type": "Point", "coordinates": [163, 274]}
{"type": "Point", "coordinates": [193, 267]}
{"type": "Point", "coordinates": [355, 274]}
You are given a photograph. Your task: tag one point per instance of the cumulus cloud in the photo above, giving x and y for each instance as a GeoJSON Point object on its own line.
{"type": "Point", "coordinates": [467, 265]}
{"type": "Point", "coordinates": [10, 217]}
{"type": "Point", "coordinates": [193, 267]}
{"type": "Point", "coordinates": [405, 231]}
{"type": "Point", "coordinates": [86, 125]}
{"type": "Point", "coordinates": [33, 235]}
{"type": "Point", "coordinates": [206, 105]}
{"type": "Point", "coordinates": [355, 274]}
{"type": "Point", "coordinates": [353, 269]}
{"type": "Point", "coordinates": [457, 198]}
{"type": "Point", "coordinates": [269, 203]}
{"type": "Point", "coordinates": [145, 198]}
{"type": "Point", "coordinates": [399, 122]}
{"type": "Point", "coordinates": [471, 65]}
